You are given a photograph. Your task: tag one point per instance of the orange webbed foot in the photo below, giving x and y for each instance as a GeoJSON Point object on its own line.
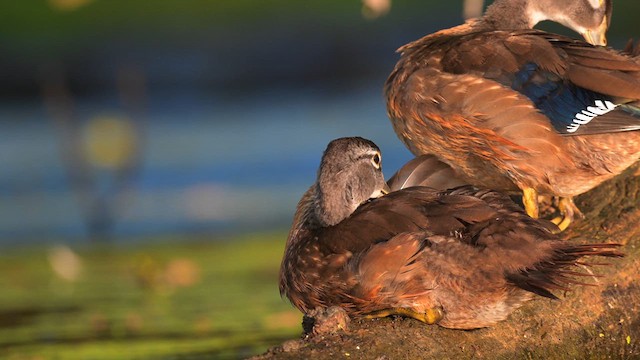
{"type": "Point", "coordinates": [431, 316]}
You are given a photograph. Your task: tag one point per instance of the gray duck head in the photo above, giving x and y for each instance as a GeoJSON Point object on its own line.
{"type": "Point", "coordinates": [589, 18]}
{"type": "Point", "coordinates": [350, 173]}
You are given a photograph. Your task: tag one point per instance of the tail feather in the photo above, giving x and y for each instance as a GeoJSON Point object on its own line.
{"type": "Point", "coordinates": [631, 49]}
{"type": "Point", "coordinates": [632, 108]}
{"type": "Point", "coordinates": [558, 271]}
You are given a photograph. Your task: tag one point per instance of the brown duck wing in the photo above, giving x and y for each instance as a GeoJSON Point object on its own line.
{"type": "Point", "coordinates": [478, 124]}
{"type": "Point", "coordinates": [409, 210]}
{"type": "Point", "coordinates": [582, 89]}
{"type": "Point", "coordinates": [559, 77]}
{"type": "Point", "coordinates": [389, 272]}
{"type": "Point", "coordinates": [531, 257]}
{"type": "Point", "coordinates": [507, 57]}
{"type": "Point", "coordinates": [314, 271]}
{"type": "Point", "coordinates": [420, 269]}
{"type": "Point", "coordinates": [410, 271]}
{"type": "Point", "coordinates": [486, 255]}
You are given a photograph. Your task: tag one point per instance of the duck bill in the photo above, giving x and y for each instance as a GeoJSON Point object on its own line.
{"type": "Point", "coordinates": [597, 36]}
{"type": "Point", "coordinates": [380, 192]}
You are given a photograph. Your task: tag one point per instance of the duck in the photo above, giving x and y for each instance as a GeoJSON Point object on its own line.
{"type": "Point", "coordinates": [462, 258]}
{"type": "Point", "coordinates": [521, 110]}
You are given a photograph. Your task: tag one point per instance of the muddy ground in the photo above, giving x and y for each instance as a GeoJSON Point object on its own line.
{"type": "Point", "coordinates": [592, 322]}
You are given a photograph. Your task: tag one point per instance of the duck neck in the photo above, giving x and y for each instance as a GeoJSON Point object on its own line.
{"type": "Point", "coordinates": [510, 15]}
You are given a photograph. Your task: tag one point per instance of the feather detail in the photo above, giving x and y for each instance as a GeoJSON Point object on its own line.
{"type": "Point", "coordinates": [425, 170]}
{"type": "Point", "coordinates": [553, 273]}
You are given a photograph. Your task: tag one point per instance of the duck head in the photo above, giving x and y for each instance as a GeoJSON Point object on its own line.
{"type": "Point", "coordinates": [350, 173]}
{"type": "Point", "coordinates": [589, 18]}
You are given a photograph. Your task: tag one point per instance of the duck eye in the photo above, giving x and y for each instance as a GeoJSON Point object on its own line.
{"type": "Point", "coordinates": [375, 160]}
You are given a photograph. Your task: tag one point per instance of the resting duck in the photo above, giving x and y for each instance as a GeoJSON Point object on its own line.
{"type": "Point", "coordinates": [515, 109]}
{"type": "Point", "coordinates": [462, 258]}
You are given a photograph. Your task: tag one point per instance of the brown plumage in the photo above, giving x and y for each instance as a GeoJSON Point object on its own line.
{"type": "Point", "coordinates": [632, 49]}
{"type": "Point", "coordinates": [425, 170]}
{"type": "Point", "coordinates": [463, 258]}
{"type": "Point", "coordinates": [515, 109]}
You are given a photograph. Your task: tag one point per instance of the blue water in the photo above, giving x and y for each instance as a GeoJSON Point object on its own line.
{"type": "Point", "coordinates": [210, 162]}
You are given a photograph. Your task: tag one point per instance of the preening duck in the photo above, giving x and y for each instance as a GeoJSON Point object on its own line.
{"type": "Point", "coordinates": [462, 258]}
{"type": "Point", "coordinates": [516, 109]}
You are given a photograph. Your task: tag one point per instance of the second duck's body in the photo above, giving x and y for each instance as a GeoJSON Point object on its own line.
{"type": "Point", "coordinates": [515, 109]}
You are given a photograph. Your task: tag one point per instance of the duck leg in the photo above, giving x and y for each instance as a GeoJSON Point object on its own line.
{"type": "Point", "coordinates": [568, 211]}
{"type": "Point", "coordinates": [530, 202]}
{"type": "Point", "coordinates": [431, 316]}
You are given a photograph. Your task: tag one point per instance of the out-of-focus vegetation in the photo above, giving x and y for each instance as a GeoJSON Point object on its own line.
{"type": "Point", "coordinates": [46, 29]}
{"type": "Point", "coordinates": [173, 300]}
{"type": "Point", "coordinates": [246, 33]}
{"type": "Point", "coordinates": [277, 78]}
{"type": "Point", "coordinates": [24, 20]}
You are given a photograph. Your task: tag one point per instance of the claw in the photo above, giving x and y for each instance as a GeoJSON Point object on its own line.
{"type": "Point", "coordinates": [568, 211]}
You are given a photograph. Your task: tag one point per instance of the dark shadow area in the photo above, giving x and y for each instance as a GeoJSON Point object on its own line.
{"type": "Point", "coordinates": [22, 316]}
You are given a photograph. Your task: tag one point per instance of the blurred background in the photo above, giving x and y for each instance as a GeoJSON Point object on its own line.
{"type": "Point", "coordinates": [152, 154]}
